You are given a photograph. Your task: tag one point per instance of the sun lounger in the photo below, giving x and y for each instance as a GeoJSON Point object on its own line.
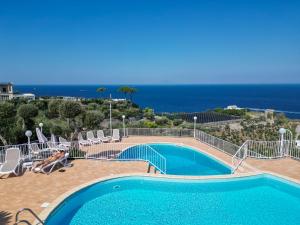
{"type": "Point", "coordinates": [47, 169]}
{"type": "Point", "coordinates": [90, 137]}
{"type": "Point", "coordinates": [37, 152]}
{"type": "Point", "coordinates": [41, 136]}
{"type": "Point", "coordinates": [64, 142]}
{"type": "Point", "coordinates": [12, 162]}
{"type": "Point", "coordinates": [56, 147]}
{"type": "Point", "coordinates": [101, 137]}
{"type": "Point", "coordinates": [83, 142]}
{"type": "Point", "coordinates": [116, 135]}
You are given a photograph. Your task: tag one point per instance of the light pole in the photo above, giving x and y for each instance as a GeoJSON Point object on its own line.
{"type": "Point", "coordinates": [290, 140]}
{"type": "Point", "coordinates": [124, 130]}
{"type": "Point", "coordinates": [41, 126]}
{"type": "Point", "coordinates": [282, 131]}
{"type": "Point", "coordinates": [28, 134]}
{"type": "Point", "coordinates": [297, 132]}
{"type": "Point", "coordinates": [110, 125]}
{"type": "Point", "coordinates": [195, 121]}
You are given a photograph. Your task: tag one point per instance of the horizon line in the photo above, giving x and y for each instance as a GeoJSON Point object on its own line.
{"type": "Point", "coordinates": [153, 84]}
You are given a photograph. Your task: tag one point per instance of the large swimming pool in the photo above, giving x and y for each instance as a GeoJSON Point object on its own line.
{"type": "Point", "coordinates": [256, 200]}
{"type": "Point", "coordinates": [183, 160]}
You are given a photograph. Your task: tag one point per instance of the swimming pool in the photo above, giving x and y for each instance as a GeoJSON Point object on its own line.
{"type": "Point", "coordinates": [255, 200]}
{"type": "Point", "coordinates": [182, 160]}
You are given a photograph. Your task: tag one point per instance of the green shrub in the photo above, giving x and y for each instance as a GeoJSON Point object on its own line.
{"type": "Point", "coordinates": [149, 124]}
{"type": "Point", "coordinates": [93, 119]}
{"type": "Point", "coordinates": [53, 108]}
{"type": "Point", "coordinates": [28, 111]}
{"type": "Point", "coordinates": [148, 113]}
{"type": "Point", "coordinates": [70, 109]}
{"type": "Point", "coordinates": [161, 121]}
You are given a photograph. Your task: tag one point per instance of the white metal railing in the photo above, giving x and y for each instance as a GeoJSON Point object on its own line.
{"type": "Point", "coordinates": [175, 132]}
{"type": "Point", "coordinates": [120, 151]}
{"type": "Point", "coordinates": [33, 151]}
{"type": "Point", "coordinates": [217, 143]}
{"type": "Point", "coordinates": [239, 156]}
{"type": "Point", "coordinates": [108, 151]}
{"type": "Point", "coordinates": [143, 152]}
{"type": "Point", "coordinates": [265, 150]}
{"type": "Point", "coordinates": [201, 136]}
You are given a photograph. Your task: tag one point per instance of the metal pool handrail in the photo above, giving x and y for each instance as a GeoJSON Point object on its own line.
{"type": "Point", "coordinates": [17, 221]}
{"type": "Point", "coordinates": [146, 153]}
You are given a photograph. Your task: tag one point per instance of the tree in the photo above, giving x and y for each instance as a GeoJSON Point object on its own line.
{"type": "Point", "coordinates": [70, 110]}
{"type": "Point", "coordinates": [101, 90]}
{"type": "Point", "coordinates": [53, 108]}
{"type": "Point", "coordinates": [131, 92]}
{"type": "Point", "coordinates": [127, 91]}
{"type": "Point", "coordinates": [7, 119]}
{"type": "Point", "coordinates": [27, 112]}
{"type": "Point", "coordinates": [73, 112]}
{"type": "Point", "coordinates": [148, 113]}
{"type": "Point", "coordinates": [93, 119]}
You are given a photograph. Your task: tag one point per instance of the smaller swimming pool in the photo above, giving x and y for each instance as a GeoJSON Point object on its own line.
{"type": "Point", "coordinates": [182, 160]}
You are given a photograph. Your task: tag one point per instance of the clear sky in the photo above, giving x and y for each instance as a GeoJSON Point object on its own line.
{"type": "Point", "coordinates": [149, 42]}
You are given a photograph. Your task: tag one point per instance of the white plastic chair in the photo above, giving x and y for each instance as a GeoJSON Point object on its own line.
{"type": "Point", "coordinates": [90, 137]}
{"type": "Point", "coordinates": [116, 135]}
{"type": "Point", "coordinates": [101, 137]}
{"type": "Point", "coordinates": [12, 162]}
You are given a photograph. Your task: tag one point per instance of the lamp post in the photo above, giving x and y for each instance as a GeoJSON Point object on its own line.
{"type": "Point", "coordinates": [297, 132]}
{"type": "Point", "coordinates": [124, 130]}
{"type": "Point", "coordinates": [28, 134]}
{"type": "Point", "coordinates": [110, 123]}
{"type": "Point", "coordinates": [195, 121]}
{"type": "Point", "coordinates": [290, 140]}
{"type": "Point", "coordinates": [282, 131]}
{"type": "Point", "coordinates": [41, 126]}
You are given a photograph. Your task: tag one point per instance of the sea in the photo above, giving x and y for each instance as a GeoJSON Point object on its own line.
{"type": "Point", "coordinates": [283, 98]}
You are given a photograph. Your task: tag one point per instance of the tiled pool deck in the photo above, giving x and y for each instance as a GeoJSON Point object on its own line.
{"type": "Point", "coordinates": [32, 190]}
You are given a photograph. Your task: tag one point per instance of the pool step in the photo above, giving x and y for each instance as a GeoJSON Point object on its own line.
{"type": "Point", "coordinates": [151, 169]}
{"type": "Point", "coordinates": [246, 168]}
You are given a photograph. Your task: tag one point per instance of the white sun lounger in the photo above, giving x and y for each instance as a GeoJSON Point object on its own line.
{"type": "Point", "coordinates": [12, 162]}
{"type": "Point", "coordinates": [101, 137]}
{"type": "Point", "coordinates": [83, 142]}
{"type": "Point", "coordinates": [90, 136]}
{"type": "Point", "coordinates": [116, 135]}
{"type": "Point", "coordinates": [53, 146]}
{"type": "Point", "coordinates": [64, 142]}
{"type": "Point", "coordinates": [49, 168]}
{"type": "Point", "coordinates": [36, 151]}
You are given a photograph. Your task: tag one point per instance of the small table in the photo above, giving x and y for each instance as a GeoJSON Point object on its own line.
{"type": "Point", "coordinates": [27, 165]}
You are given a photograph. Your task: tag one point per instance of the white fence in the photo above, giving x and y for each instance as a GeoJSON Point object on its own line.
{"type": "Point", "coordinates": [107, 151]}
{"type": "Point", "coordinates": [217, 143]}
{"type": "Point", "coordinates": [265, 150]}
{"type": "Point", "coordinates": [175, 132]}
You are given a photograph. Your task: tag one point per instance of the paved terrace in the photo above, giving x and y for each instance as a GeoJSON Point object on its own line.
{"type": "Point", "coordinates": [32, 190]}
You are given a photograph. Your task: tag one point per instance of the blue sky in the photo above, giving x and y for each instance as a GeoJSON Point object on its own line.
{"type": "Point", "coordinates": [149, 42]}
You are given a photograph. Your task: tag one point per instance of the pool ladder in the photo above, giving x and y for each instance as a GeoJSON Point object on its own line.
{"type": "Point", "coordinates": [18, 221]}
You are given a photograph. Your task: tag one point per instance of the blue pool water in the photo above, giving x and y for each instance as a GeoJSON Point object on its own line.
{"type": "Point", "coordinates": [183, 160]}
{"type": "Point", "coordinates": [256, 200]}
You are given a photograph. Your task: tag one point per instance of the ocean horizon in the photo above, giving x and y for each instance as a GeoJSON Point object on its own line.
{"type": "Point", "coordinates": [189, 97]}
